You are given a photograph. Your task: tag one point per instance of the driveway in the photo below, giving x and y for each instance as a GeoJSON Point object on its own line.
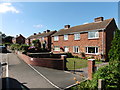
{"type": "Point", "coordinates": [38, 77]}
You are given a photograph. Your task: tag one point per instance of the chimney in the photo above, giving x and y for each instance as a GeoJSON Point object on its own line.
{"type": "Point", "coordinates": [39, 33]}
{"type": "Point", "coordinates": [98, 19]}
{"type": "Point", "coordinates": [48, 31]}
{"type": "Point", "coordinates": [16, 35]}
{"type": "Point", "coordinates": [66, 26]}
{"type": "Point", "coordinates": [44, 31]}
{"type": "Point", "coordinates": [34, 33]}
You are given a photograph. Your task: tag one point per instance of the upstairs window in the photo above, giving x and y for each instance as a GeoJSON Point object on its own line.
{"type": "Point", "coordinates": [77, 36]}
{"type": "Point", "coordinates": [65, 37]}
{"type": "Point", "coordinates": [56, 38]}
{"type": "Point", "coordinates": [93, 34]}
{"type": "Point", "coordinates": [92, 50]}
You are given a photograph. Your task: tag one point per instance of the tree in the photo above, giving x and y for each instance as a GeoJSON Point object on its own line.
{"type": "Point", "coordinates": [114, 57]}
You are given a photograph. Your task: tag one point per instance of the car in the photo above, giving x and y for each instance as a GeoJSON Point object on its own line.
{"type": "Point", "coordinates": [3, 49]}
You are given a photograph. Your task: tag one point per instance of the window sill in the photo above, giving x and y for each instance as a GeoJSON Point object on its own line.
{"type": "Point", "coordinates": [76, 53]}
{"type": "Point", "coordinates": [93, 38]}
{"type": "Point", "coordinates": [77, 40]}
{"type": "Point", "coordinates": [92, 53]}
{"type": "Point", "coordinates": [56, 51]}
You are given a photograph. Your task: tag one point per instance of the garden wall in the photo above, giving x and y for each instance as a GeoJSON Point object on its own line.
{"type": "Point", "coordinates": [55, 63]}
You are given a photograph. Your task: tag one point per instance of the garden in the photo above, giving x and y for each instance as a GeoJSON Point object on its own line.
{"type": "Point", "coordinates": [109, 74]}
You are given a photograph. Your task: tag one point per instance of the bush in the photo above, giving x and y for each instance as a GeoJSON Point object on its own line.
{"type": "Point", "coordinates": [15, 47]}
{"type": "Point", "coordinates": [24, 47]}
{"type": "Point", "coordinates": [69, 55]}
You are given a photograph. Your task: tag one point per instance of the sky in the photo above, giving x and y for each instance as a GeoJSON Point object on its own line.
{"type": "Point", "coordinates": [27, 18]}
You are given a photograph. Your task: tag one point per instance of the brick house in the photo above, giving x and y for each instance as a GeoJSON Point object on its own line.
{"type": "Point", "coordinates": [92, 39]}
{"type": "Point", "coordinates": [19, 39]}
{"type": "Point", "coordinates": [44, 38]}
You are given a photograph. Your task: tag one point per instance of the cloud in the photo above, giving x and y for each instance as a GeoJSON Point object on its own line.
{"type": "Point", "coordinates": [38, 26]}
{"type": "Point", "coordinates": [86, 23]}
{"type": "Point", "coordinates": [7, 7]}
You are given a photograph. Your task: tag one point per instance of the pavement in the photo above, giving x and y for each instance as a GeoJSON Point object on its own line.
{"type": "Point", "coordinates": [26, 76]}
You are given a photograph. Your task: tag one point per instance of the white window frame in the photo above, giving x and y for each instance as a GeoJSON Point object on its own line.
{"type": "Point", "coordinates": [86, 48]}
{"type": "Point", "coordinates": [56, 38]}
{"type": "Point", "coordinates": [77, 36]}
{"type": "Point", "coordinates": [67, 48]}
{"type": "Point", "coordinates": [42, 38]}
{"type": "Point", "coordinates": [96, 35]}
{"type": "Point", "coordinates": [75, 47]}
{"type": "Point", "coordinates": [57, 47]}
{"type": "Point", "coordinates": [65, 37]}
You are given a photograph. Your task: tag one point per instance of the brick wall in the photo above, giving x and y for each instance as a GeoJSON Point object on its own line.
{"type": "Point", "coordinates": [54, 63]}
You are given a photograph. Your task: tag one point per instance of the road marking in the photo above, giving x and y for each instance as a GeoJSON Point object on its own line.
{"type": "Point", "coordinates": [44, 77]}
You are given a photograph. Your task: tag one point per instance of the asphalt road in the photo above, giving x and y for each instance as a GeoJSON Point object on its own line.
{"type": "Point", "coordinates": [26, 76]}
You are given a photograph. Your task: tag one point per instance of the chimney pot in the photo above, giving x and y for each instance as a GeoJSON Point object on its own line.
{"type": "Point", "coordinates": [39, 33]}
{"type": "Point", "coordinates": [34, 33]}
{"type": "Point", "coordinates": [98, 19]}
{"type": "Point", "coordinates": [67, 26]}
{"type": "Point", "coordinates": [48, 30]}
{"type": "Point", "coordinates": [44, 31]}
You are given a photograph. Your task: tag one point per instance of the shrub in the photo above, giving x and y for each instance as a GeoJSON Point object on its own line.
{"type": "Point", "coordinates": [24, 47]}
{"type": "Point", "coordinates": [15, 47]}
{"type": "Point", "coordinates": [69, 55]}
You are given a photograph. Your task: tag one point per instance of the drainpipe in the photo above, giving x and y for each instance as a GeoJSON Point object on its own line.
{"type": "Point", "coordinates": [103, 43]}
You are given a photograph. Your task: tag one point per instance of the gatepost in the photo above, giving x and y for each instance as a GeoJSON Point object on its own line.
{"type": "Point", "coordinates": [91, 68]}
{"type": "Point", "coordinates": [63, 57]}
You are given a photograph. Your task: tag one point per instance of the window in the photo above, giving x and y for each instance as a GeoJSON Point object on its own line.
{"type": "Point", "coordinates": [56, 48]}
{"type": "Point", "coordinates": [56, 38]}
{"type": "Point", "coordinates": [43, 38]}
{"type": "Point", "coordinates": [76, 49]}
{"type": "Point", "coordinates": [77, 36]}
{"type": "Point", "coordinates": [92, 50]}
{"type": "Point", "coordinates": [65, 37]}
{"type": "Point", "coordinates": [93, 34]}
{"type": "Point", "coordinates": [66, 49]}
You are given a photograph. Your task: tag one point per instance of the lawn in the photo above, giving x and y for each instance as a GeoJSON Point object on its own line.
{"type": "Point", "coordinates": [79, 63]}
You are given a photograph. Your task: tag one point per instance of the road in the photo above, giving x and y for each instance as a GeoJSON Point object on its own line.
{"type": "Point", "coordinates": [27, 76]}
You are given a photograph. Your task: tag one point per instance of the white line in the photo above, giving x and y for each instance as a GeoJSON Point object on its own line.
{"type": "Point", "coordinates": [44, 77]}
{"type": "Point", "coordinates": [7, 75]}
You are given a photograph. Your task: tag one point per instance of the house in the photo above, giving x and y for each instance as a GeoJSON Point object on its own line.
{"type": "Point", "coordinates": [44, 38]}
{"type": "Point", "coordinates": [19, 39]}
{"type": "Point", "coordinates": [90, 40]}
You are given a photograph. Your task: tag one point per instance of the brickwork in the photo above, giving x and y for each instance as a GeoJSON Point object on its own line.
{"type": "Point", "coordinates": [82, 43]}
{"type": "Point", "coordinates": [55, 63]}
{"type": "Point", "coordinates": [103, 42]}
{"type": "Point", "coordinates": [91, 68]}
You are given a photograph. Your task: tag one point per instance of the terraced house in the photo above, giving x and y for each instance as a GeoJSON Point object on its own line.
{"type": "Point", "coordinates": [91, 39]}
{"type": "Point", "coordinates": [44, 38]}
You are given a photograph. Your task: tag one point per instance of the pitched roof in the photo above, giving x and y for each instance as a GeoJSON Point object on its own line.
{"type": "Point", "coordinates": [42, 35]}
{"type": "Point", "coordinates": [85, 27]}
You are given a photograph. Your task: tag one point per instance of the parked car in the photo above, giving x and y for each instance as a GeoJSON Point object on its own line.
{"type": "Point", "coordinates": [3, 49]}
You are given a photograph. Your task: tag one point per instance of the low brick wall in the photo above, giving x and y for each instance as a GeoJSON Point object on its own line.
{"type": "Point", "coordinates": [55, 63]}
